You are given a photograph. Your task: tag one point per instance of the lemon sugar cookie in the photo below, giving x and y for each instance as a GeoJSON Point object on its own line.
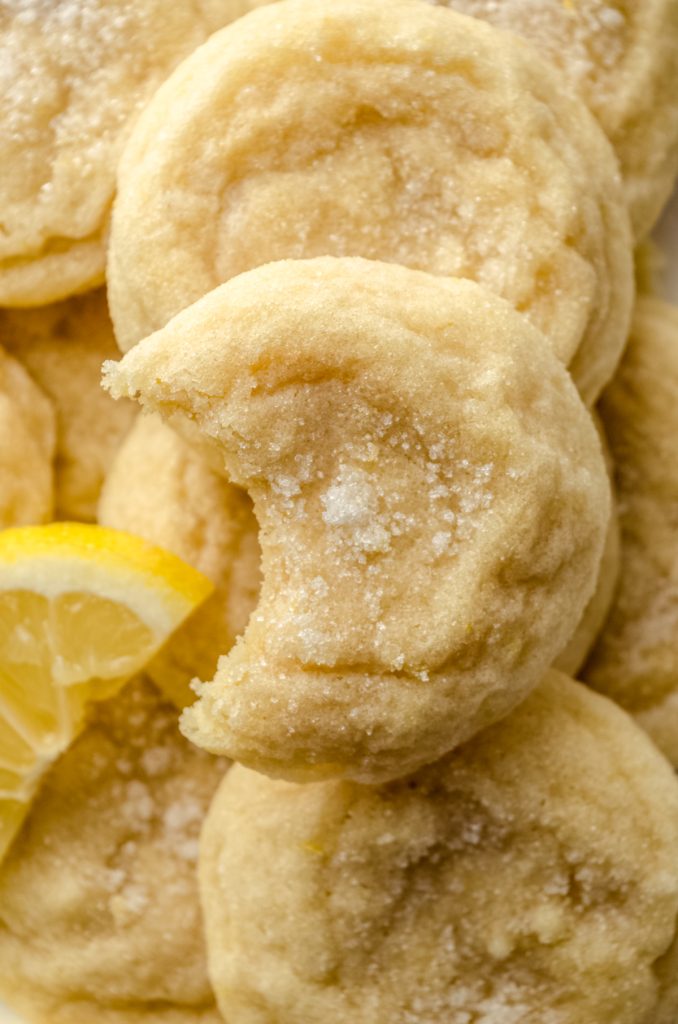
{"type": "Point", "coordinates": [635, 660]}
{"type": "Point", "coordinates": [165, 491]}
{"type": "Point", "coordinates": [621, 56]}
{"type": "Point", "coordinates": [63, 346]}
{"type": "Point", "coordinates": [530, 877]}
{"type": "Point", "coordinates": [74, 76]}
{"type": "Point", "coordinates": [99, 913]}
{"type": "Point", "coordinates": [27, 441]}
{"type": "Point", "coordinates": [432, 503]}
{"type": "Point", "coordinates": [432, 140]}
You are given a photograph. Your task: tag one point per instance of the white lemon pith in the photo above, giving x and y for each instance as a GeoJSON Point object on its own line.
{"type": "Point", "coordinates": [82, 608]}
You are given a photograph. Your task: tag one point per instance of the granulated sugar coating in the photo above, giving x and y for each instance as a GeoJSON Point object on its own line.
{"type": "Point", "coordinates": [187, 507]}
{"type": "Point", "coordinates": [635, 660]}
{"type": "Point", "coordinates": [63, 346]}
{"type": "Point", "coordinates": [27, 441]}
{"type": "Point", "coordinates": [395, 131]}
{"type": "Point", "coordinates": [587, 39]}
{"type": "Point", "coordinates": [622, 57]}
{"type": "Point", "coordinates": [99, 914]}
{"type": "Point", "coordinates": [432, 501]}
{"type": "Point", "coordinates": [164, 490]}
{"type": "Point", "coordinates": [529, 878]}
{"type": "Point", "coordinates": [74, 74]}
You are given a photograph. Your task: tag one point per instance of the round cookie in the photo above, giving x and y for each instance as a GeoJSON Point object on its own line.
{"type": "Point", "coordinates": [74, 76]}
{"type": "Point", "coordinates": [395, 131]}
{"type": "Point", "coordinates": [164, 490]}
{"type": "Point", "coordinates": [530, 878]}
{"type": "Point", "coordinates": [27, 440]}
{"type": "Point", "coordinates": [635, 660]}
{"type": "Point", "coordinates": [63, 346]}
{"type": "Point", "coordinates": [432, 502]}
{"type": "Point", "coordinates": [621, 56]}
{"type": "Point", "coordinates": [99, 911]}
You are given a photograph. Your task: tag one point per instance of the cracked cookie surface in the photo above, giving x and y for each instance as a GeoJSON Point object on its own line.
{"type": "Point", "coordinates": [621, 56]}
{"type": "Point", "coordinates": [431, 496]}
{"type": "Point", "coordinates": [99, 914]}
{"type": "Point", "coordinates": [432, 140]}
{"type": "Point", "coordinates": [531, 877]}
{"type": "Point", "coordinates": [74, 76]}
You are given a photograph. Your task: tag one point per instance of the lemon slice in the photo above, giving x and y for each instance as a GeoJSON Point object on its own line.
{"type": "Point", "coordinates": [82, 608]}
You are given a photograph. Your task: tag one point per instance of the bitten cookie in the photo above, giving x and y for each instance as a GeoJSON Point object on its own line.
{"type": "Point", "coordinates": [99, 912]}
{"type": "Point", "coordinates": [27, 441]}
{"type": "Point", "coordinates": [432, 502]}
{"type": "Point", "coordinates": [635, 660]}
{"type": "Point", "coordinates": [530, 877]}
{"type": "Point", "coordinates": [63, 346]}
{"type": "Point", "coordinates": [164, 490]}
{"type": "Point", "coordinates": [74, 76]}
{"type": "Point", "coordinates": [395, 131]}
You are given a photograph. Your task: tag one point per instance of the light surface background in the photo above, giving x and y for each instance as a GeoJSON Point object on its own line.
{"type": "Point", "coordinates": [666, 235]}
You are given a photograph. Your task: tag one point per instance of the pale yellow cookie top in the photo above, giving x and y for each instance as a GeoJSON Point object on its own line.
{"type": "Point", "coordinates": [621, 56]}
{"type": "Point", "coordinates": [63, 346]}
{"type": "Point", "coordinates": [530, 877]}
{"type": "Point", "coordinates": [27, 441]}
{"type": "Point", "coordinates": [432, 502]}
{"type": "Point", "coordinates": [99, 915]}
{"type": "Point", "coordinates": [635, 660]}
{"type": "Point", "coordinates": [74, 76]}
{"type": "Point", "coordinates": [164, 490]}
{"type": "Point", "coordinates": [395, 131]}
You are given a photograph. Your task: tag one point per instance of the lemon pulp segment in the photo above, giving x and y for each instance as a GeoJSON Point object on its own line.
{"type": "Point", "coordinates": [82, 609]}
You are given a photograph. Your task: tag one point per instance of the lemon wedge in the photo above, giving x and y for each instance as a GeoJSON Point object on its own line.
{"type": "Point", "coordinates": [82, 609]}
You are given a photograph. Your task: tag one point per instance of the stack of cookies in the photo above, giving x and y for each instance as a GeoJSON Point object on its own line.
{"type": "Point", "coordinates": [371, 264]}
